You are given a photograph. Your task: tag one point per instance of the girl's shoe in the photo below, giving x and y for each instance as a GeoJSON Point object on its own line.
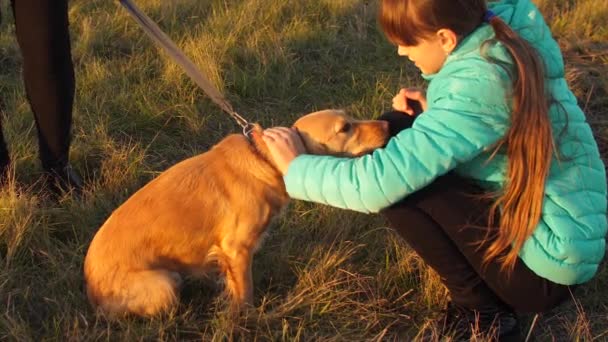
{"type": "Point", "coordinates": [461, 323]}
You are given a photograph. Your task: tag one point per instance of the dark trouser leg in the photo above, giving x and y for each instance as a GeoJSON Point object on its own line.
{"type": "Point", "coordinates": [433, 245]}
{"type": "Point", "coordinates": [4, 156]}
{"type": "Point", "coordinates": [442, 223]}
{"type": "Point", "coordinates": [43, 36]}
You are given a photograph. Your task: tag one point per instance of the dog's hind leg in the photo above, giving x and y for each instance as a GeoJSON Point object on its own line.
{"type": "Point", "coordinates": [144, 293]}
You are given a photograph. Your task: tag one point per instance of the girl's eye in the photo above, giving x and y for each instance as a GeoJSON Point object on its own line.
{"type": "Point", "coordinates": [346, 128]}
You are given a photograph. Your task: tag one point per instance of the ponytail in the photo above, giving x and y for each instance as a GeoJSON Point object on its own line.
{"type": "Point", "coordinates": [529, 146]}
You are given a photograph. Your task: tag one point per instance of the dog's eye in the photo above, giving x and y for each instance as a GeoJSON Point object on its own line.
{"type": "Point", "coordinates": [346, 128]}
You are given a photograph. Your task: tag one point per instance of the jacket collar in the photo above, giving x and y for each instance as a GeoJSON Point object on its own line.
{"type": "Point", "coordinates": [468, 44]}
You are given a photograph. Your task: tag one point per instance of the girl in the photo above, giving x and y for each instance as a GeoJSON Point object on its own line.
{"type": "Point", "coordinates": [498, 184]}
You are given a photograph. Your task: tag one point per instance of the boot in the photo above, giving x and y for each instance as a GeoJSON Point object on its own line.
{"type": "Point", "coordinates": [500, 323]}
{"type": "Point", "coordinates": [65, 179]}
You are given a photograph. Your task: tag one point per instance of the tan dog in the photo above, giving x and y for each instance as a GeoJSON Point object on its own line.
{"type": "Point", "coordinates": [207, 211]}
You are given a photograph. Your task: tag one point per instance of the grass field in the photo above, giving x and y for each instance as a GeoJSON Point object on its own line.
{"type": "Point", "coordinates": [323, 273]}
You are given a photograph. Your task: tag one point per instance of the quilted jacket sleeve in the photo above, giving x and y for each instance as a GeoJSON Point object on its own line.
{"type": "Point", "coordinates": [454, 129]}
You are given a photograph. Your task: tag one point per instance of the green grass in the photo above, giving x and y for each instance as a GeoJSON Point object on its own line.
{"type": "Point", "coordinates": [323, 273]}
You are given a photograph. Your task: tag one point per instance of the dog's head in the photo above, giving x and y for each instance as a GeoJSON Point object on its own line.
{"type": "Point", "coordinates": [332, 132]}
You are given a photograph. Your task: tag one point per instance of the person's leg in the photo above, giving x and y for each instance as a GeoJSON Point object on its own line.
{"type": "Point", "coordinates": [458, 208]}
{"type": "Point", "coordinates": [4, 155]}
{"type": "Point", "coordinates": [429, 240]}
{"type": "Point", "coordinates": [48, 73]}
{"type": "Point", "coordinates": [445, 239]}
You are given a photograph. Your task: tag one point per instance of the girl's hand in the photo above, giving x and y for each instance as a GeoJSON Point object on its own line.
{"type": "Point", "coordinates": [415, 94]}
{"type": "Point", "coordinates": [284, 145]}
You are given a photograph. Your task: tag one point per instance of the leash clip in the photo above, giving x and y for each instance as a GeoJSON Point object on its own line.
{"type": "Point", "coordinates": [247, 129]}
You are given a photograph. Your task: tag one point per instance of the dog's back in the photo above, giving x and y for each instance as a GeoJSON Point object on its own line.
{"type": "Point", "coordinates": [201, 212]}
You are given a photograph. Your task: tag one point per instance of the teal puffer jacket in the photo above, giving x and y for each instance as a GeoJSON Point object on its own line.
{"type": "Point", "coordinates": [468, 112]}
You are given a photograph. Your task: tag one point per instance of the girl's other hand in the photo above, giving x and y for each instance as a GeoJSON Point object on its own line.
{"type": "Point", "coordinates": [284, 145]}
{"type": "Point", "coordinates": [400, 101]}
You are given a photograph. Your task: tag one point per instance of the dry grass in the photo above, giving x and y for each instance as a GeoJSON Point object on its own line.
{"type": "Point", "coordinates": [323, 274]}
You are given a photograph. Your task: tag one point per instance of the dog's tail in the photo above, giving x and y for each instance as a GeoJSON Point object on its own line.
{"type": "Point", "coordinates": [144, 293]}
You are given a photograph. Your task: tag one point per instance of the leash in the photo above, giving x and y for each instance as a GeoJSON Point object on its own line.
{"type": "Point", "coordinates": [161, 39]}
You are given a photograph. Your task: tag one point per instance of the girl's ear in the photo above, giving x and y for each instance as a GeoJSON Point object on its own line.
{"type": "Point", "coordinates": [448, 40]}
